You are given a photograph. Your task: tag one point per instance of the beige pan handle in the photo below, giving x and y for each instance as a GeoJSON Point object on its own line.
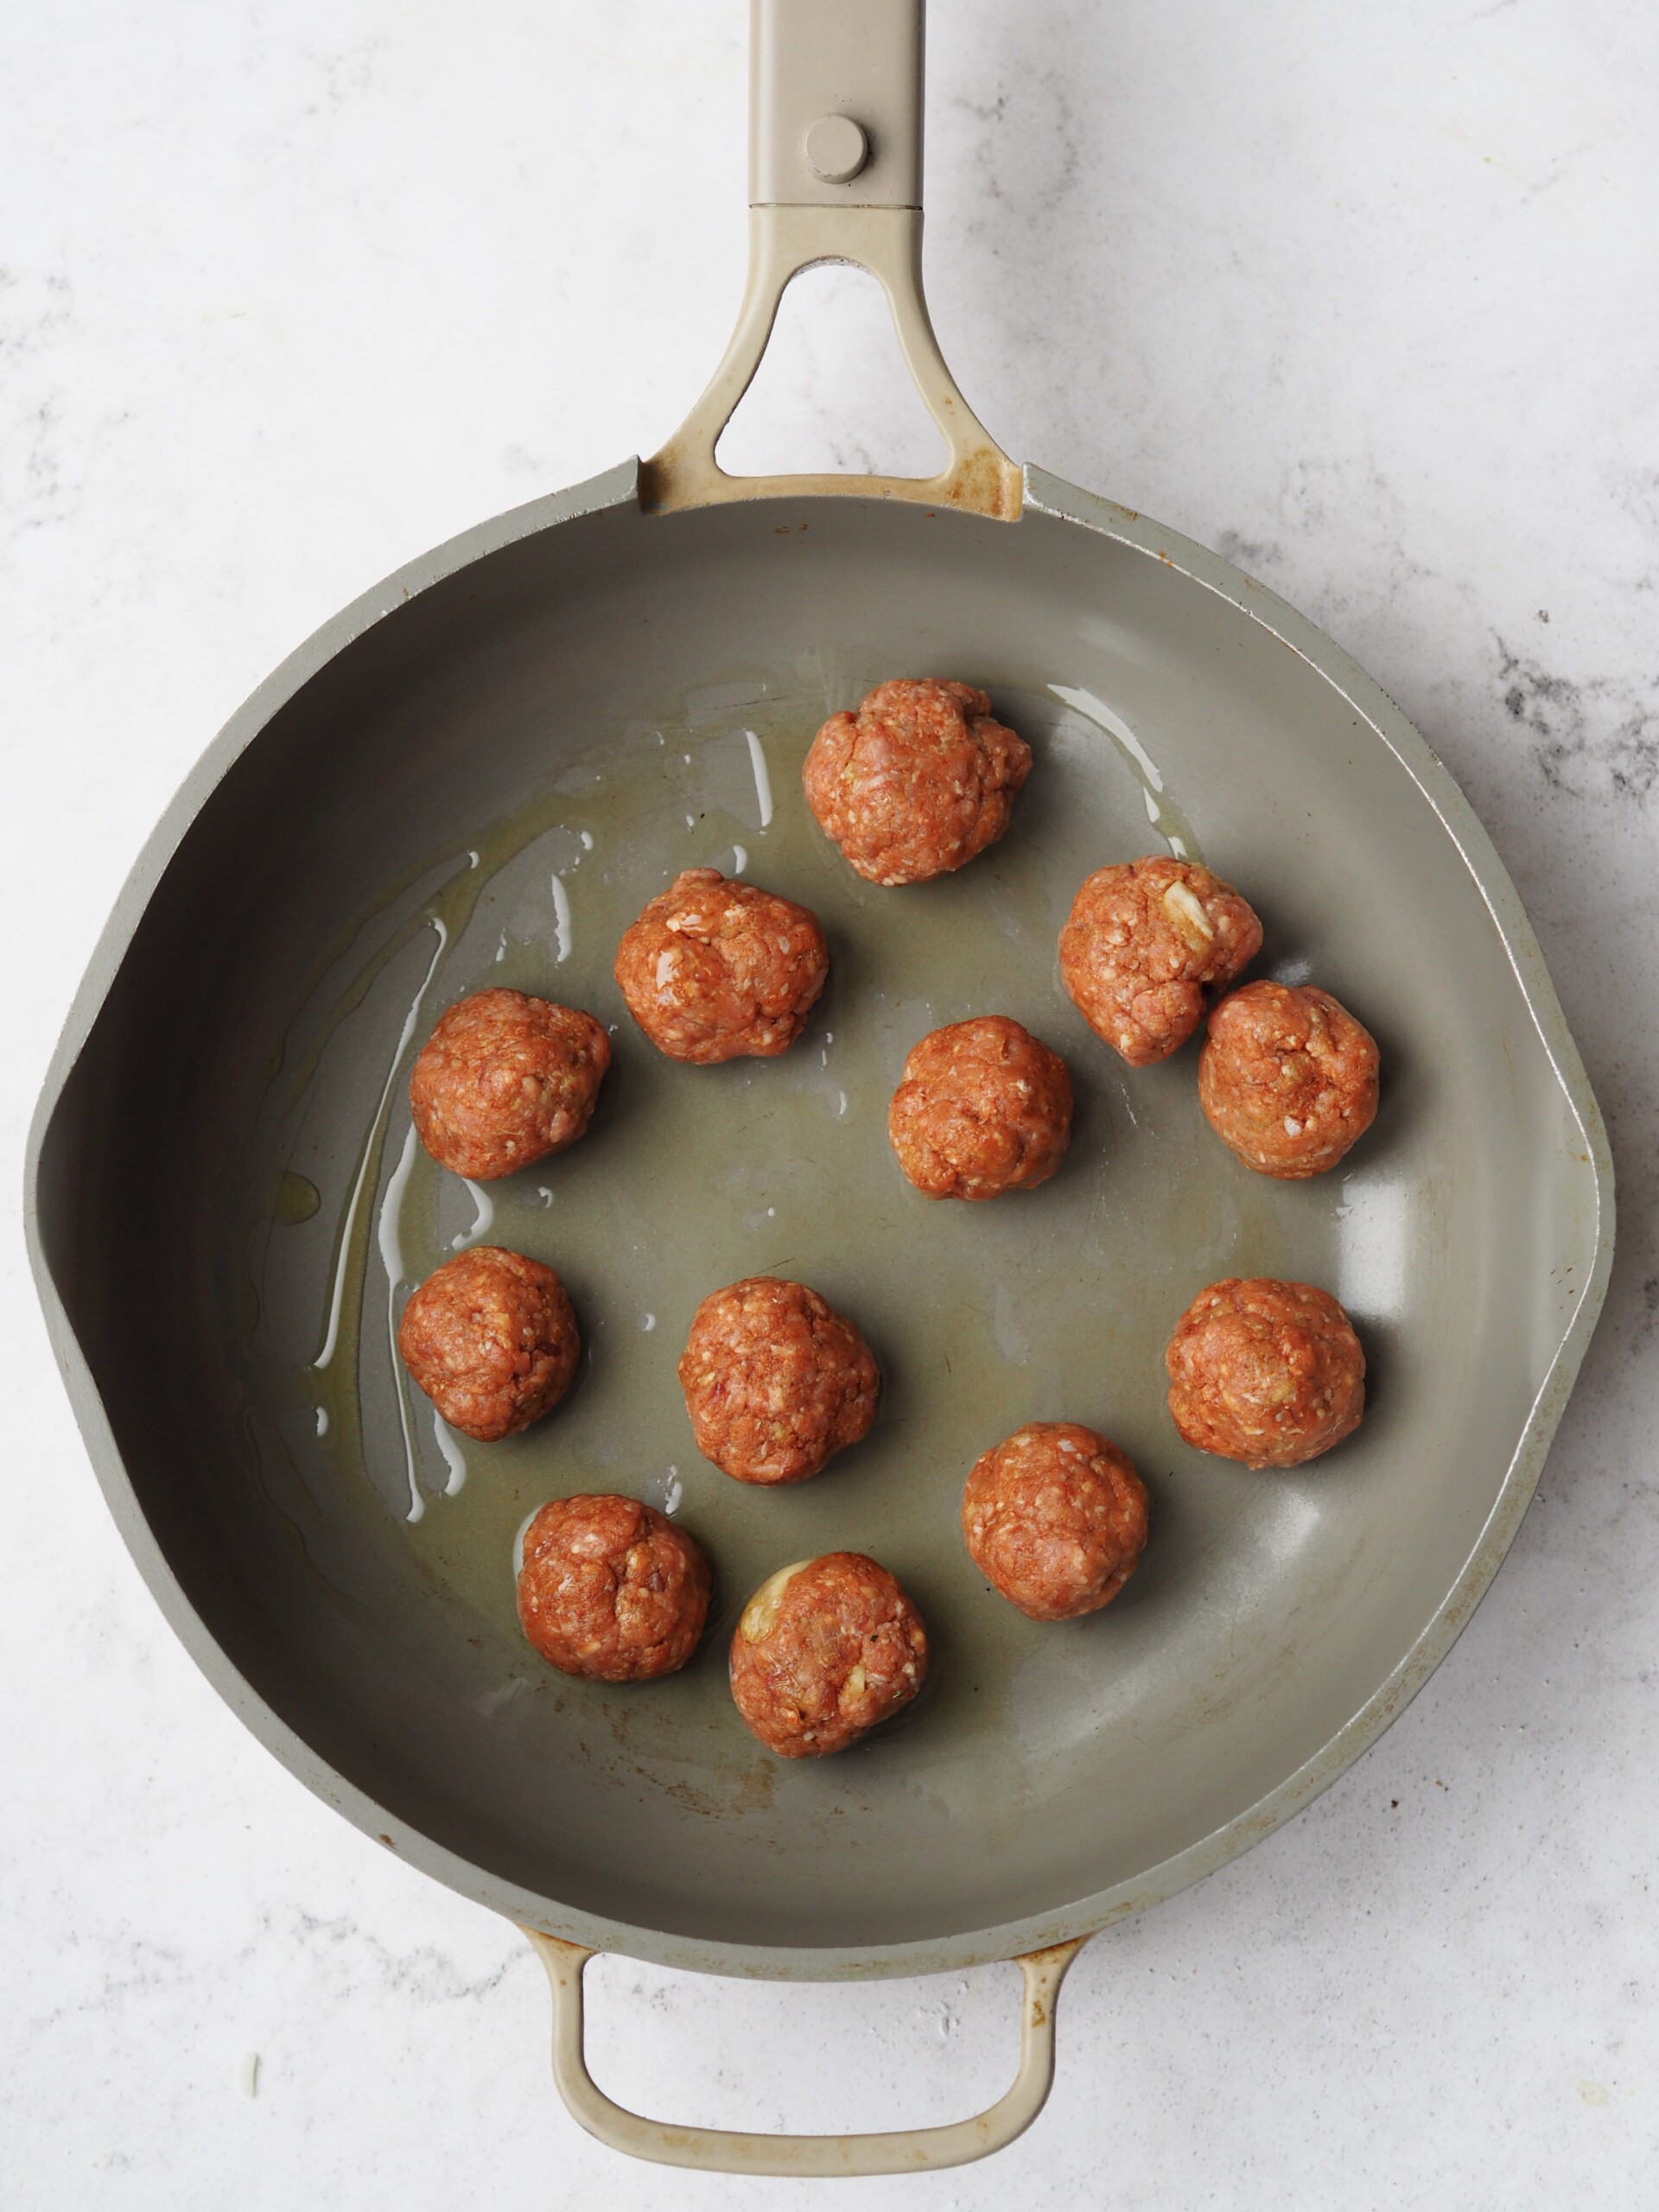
{"type": "Point", "coordinates": [721, 2151]}
{"type": "Point", "coordinates": [835, 174]}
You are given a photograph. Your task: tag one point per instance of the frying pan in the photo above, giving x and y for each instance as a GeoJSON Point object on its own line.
{"type": "Point", "coordinates": [478, 774]}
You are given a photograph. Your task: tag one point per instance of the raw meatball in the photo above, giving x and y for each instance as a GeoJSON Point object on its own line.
{"type": "Point", "coordinates": [984, 1108]}
{"type": "Point", "coordinates": [491, 1339]}
{"type": "Point", "coordinates": [1145, 941]}
{"type": "Point", "coordinates": [776, 1382]}
{"type": "Point", "coordinates": [1287, 1078]}
{"type": "Point", "coordinates": [504, 1080]}
{"type": "Point", "coordinates": [824, 1652]}
{"type": "Point", "coordinates": [714, 970]}
{"type": "Point", "coordinates": [1270, 1373]}
{"type": "Point", "coordinates": [916, 782]}
{"type": "Point", "coordinates": [1055, 1519]}
{"type": "Point", "coordinates": [611, 1590]}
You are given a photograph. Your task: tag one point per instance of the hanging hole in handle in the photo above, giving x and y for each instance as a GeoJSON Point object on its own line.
{"type": "Point", "coordinates": [696, 2049]}
{"type": "Point", "coordinates": [832, 393]}
{"type": "Point", "coordinates": [713, 2149]}
{"type": "Point", "coordinates": [978, 477]}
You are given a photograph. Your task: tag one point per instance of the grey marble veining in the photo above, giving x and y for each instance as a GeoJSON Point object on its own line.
{"type": "Point", "coordinates": [1363, 297]}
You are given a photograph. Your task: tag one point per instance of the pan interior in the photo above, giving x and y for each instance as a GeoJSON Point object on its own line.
{"type": "Point", "coordinates": [485, 789]}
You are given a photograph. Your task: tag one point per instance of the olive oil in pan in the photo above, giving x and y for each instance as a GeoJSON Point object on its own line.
{"type": "Point", "coordinates": [390, 1241]}
{"type": "Point", "coordinates": [982, 1316]}
{"type": "Point", "coordinates": [338, 1368]}
{"type": "Point", "coordinates": [518, 1547]}
{"type": "Point", "coordinates": [339, 1365]}
{"type": "Point", "coordinates": [332, 1375]}
{"type": "Point", "coordinates": [483, 1216]}
{"type": "Point", "coordinates": [348, 1263]}
{"type": "Point", "coordinates": [1162, 812]}
{"type": "Point", "coordinates": [297, 1198]}
{"type": "Point", "coordinates": [453, 1458]}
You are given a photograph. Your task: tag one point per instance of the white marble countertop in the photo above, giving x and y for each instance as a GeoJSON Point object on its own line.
{"type": "Point", "coordinates": [1364, 296]}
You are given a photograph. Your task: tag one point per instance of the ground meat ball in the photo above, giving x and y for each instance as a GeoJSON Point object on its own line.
{"type": "Point", "coordinates": [611, 1590]}
{"type": "Point", "coordinates": [1270, 1373]}
{"type": "Point", "coordinates": [776, 1382]}
{"type": "Point", "coordinates": [491, 1339]}
{"type": "Point", "coordinates": [714, 970]}
{"type": "Point", "coordinates": [1145, 941]}
{"type": "Point", "coordinates": [1287, 1078]}
{"type": "Point", "coordinates": [1055, 1519]}
{"type": "Point", "coordinates": [825, 1651]}
{"type": "Point", "coordinates": [916, 782]}
{"type": "Point", "coordinates": [984, 1108]}
{"type": "Point", "coordinates": [504, 1080]}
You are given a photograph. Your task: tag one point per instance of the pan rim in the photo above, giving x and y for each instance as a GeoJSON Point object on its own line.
{"type": "Point", "coordinates": [1048, 495]}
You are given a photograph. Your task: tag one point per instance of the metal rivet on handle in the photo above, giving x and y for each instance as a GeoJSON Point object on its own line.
{"type": "Point", "coordinates": [836, 149]}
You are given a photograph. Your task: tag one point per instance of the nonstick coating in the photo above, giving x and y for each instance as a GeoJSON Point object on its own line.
{"type": "Point", "coordinates": [483, 786]}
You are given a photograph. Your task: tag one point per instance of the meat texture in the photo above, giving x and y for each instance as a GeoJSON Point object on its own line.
{"type": "Point", "coordinates": [984, 1106]}
{"type": "Point", "coordinates": [1287, 1078]}
{"type": "Point", "coordinates": [1055, 1517]}
{"type": "Point", "coordinates": [776, 1382]}
{"type": "Point", "coordinates": [611, 1589]}
{"type": "Point", "coordinates": [504, 1080]}
{"type": "Point", "coordinates": [918, 781]}
{"type": "Point", "coordinates": [1270, 1373]}
{"type": "Point", "coordinates": [1145, 941]}
{"type": "Point", "coordinates": [491, 1339]}
{"type": "Point", "coordinates": [716, 970]}
{"type": "Point", "coordinates": [825, 1651]}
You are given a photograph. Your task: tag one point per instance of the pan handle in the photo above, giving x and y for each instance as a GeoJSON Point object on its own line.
{"type": "Point", "coordinates": [835, 174]}
{"type": "Point", "coordinates": [719, 2151]}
